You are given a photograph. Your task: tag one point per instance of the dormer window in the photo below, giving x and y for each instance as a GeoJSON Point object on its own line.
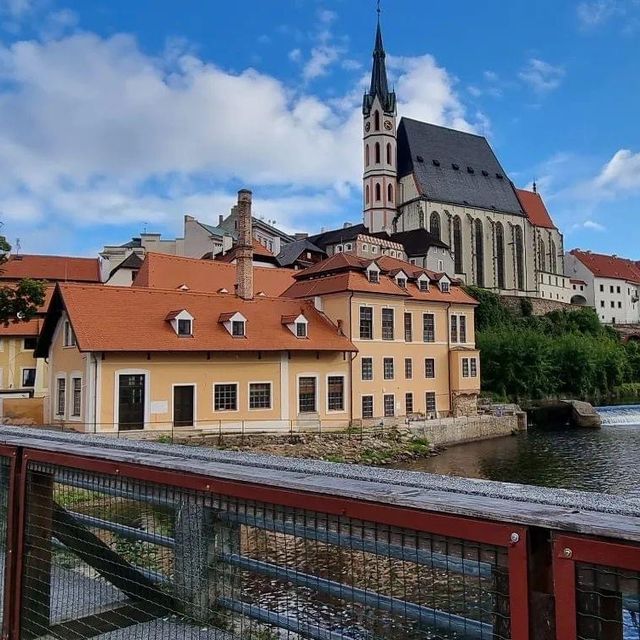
{"type": "Point", "coordinates": [235, 323]}
{"type": "Point", "coordinates": [185, 327]}
{"type": "Point", "coordinates": [181, 322]}
{"type": "Point", "coordinates": [401, 279]}
{"type": "Point", "coordinates": [374, 276]}
{"type": "Point", "coordinates": [297, 324]}
{"type": "Point", "coordinates": [238, 329]}
{"type": "Point", "coordinates": [444, 284]}
{"type": "Point", "coordinates": [423, 282]}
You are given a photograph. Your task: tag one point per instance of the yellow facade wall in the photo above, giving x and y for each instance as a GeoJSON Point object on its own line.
{"type": "Point", "coordinates": [14, 358]}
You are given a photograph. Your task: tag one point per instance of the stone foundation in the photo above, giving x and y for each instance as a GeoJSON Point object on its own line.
{"type": "Point", "coordinates": [539, 306]}
{"type": "Point", "coordinates": [464, 405]}
{"type": "Point", "coordinates": [449, 431]}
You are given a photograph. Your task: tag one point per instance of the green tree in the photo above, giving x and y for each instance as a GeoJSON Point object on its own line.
{"type": "Point", "coordinates": [18, 303]}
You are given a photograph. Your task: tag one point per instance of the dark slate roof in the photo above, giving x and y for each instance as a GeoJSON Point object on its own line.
{"type": "Point", "coordinates": [335, 236]}
{"type": "Point", "coordinates": [432, 153]}
{"type": "Point", "coordinates": [134, 243]}
{"type": "Point", "coordinates": [417, 242]}
{"type": "Point", "coordinates": [292, 251]}
{"type": "Point", "coordinates": [379, 83]}
{"type": "Point", "coordinates": [132, 261]}
{"type": "Point", "coordinates": [214, 231]}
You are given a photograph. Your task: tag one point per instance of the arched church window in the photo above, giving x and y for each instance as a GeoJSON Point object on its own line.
{"type": "Point", "coordinates": [378, 192]}
{"type": "Point", "coordinates": [500, 255]}
{"type": "Point", "coordinates": [376, 120]}
{"type": "Point", "coordinates": [377, 153]}
{"type": "Point", "coordinates": [389, 156]}
{"type": "Point", "coordinates": [366, 155]}
{"type": "Point", "coordinates": [541, 255]}
{"type": "Point", "coordinates": [434, 224]}
{"type": "Point", "coordinates": [457, 245]}
{"type": "Point", "coordinates": [420, 218]}
{"type": "Point", "coordinates": [479, 242]}
{"type": "Point", "coordinates": [554, 257]}
{"type": "Point", "coordinates": [390, 193]}
{"type": "Point", "coordinates": [366, 194]}
{"type": "Point", "coordinates": [519, 250]}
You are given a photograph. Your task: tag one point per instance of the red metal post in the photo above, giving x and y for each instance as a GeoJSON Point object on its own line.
{"type": "Point", "coordinates": [519, 584]}
{"type": "Point", "coordinates": [10, 557]}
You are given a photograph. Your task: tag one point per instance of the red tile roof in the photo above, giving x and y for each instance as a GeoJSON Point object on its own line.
{"type": "Point", "coordinates": [535, 209]}
{"type": "Point", "coordinates": [51, 268]}
{"type": "Point", "coordinates": [133, 319]}
{"type": "Point", "coordinates": [337, 262]}
{"type": "Point", "coordinates": [258, 250]}
{"type": "Point", "coordinates": [604, 266]}
{"type": "Point", "coordinates": [18, 329]}
{"type": "Point", "coordinates": [160, 271]}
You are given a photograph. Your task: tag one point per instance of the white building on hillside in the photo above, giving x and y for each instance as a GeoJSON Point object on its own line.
{"type": "Point", "coordinates": [609, 284]}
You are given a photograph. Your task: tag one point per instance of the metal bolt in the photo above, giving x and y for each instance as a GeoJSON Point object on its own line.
{"type": "Point", "coordinates": [208, 487]}
{"type": "Point", "coordinates": [515, 538]}
{"type": "Point", "coordinates": [567, 553]}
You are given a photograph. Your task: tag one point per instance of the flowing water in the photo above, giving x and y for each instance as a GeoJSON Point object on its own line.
{"type": "Point", "coordinates": [605, 460]}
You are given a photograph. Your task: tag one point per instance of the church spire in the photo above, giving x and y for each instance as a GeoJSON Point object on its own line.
{"type": "Point", "coordinates": [379, 83]}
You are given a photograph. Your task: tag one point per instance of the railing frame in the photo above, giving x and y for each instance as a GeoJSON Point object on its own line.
{"type": "Point", "coordinates": [513, 538]}
{"type": "Point", "coordinates": [571, 549]}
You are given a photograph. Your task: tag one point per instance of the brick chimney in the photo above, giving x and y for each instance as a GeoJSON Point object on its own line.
{"type": "Point", "coordinates": [244, 250]}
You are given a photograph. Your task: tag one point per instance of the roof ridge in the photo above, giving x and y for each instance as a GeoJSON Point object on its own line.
{"type": "Point", "coordinates": [440, 126]}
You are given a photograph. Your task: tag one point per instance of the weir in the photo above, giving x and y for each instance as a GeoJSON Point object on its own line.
{"type": "Point", "coordinates": [106, 539]}
{"type": "Point", "coordinates": [620, 415]}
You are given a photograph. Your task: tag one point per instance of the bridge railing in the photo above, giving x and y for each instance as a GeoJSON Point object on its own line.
{"type": "Point", "coordinates": [129, 540]}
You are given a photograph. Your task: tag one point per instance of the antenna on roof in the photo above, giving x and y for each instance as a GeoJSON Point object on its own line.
{"type": "Point", "coordinates": [378, 10]}
{"type": "Point", "coordinates": [144, 227]}
{"type": "Point", "coordinates": [18, 246]}
{"type": "Point", "coordinates": [535, 186]}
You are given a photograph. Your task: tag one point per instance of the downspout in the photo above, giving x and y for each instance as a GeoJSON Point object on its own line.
{"type": "Point", "coordinates": [354, 355]}
{"type": "Point", "coordinates": [95, 392]}
{"type": "Point", "coordinates": [449, 354]}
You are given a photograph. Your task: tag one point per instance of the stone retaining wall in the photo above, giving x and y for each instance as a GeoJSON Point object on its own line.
{"type": "Point", "coordinates": [539, 306]}
{"type": "Point", "coordinates": [449, 431]}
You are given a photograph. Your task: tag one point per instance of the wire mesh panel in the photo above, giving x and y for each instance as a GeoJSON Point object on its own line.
{"type": "Point", "coordinates": [607, 603]}
{"type": "Point", "coordinates": [5, 470]}
{"type": "Point", "coordinates": [114, 558]}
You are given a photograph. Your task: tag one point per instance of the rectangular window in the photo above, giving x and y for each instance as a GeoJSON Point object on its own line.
{"type": "Point", "coordinates": [225, 397]}
{"type": "Point", "coordinates": [462, 321]}
{"type": "Point", "coordinates": [613, 304]}
{"type": "Point", "coordinates": [602, 287]}
{"type": "Point", "coordinates": [389, 405]}
{"type": "Point", "coordinates": [30, 343]}
{"type": "Point", "coordinates": [366, 323]}
{"type": "Point", "coordinates": [408, 403]}
{"type": "Point", "coordinates": [237, 329]}
{"type": "Point", "coordinates": [367, 406]}
{"type": "Point", "coordinates": [424, 285]}
{"type": "Point", "coordinates": [619, 305]}
{"type": "Point", "coordinates": [367, 368]}
{"type": "Point", "coordinates": [474, 367]}
{"type": "Point", "coordinates": [307, 395]}
{"type": "Point", "coordinates": [408, 368]}
{"type": "Point", "coordinates": [428, 327]}
{"type": "Point", "coordinates": [387, 324]}
{"type": "Point", "coordinates": [465, 367]}
{"type": "Point", "coordinates": [610, 288]}
{"type": "Point", "coordinates": [617, 289]}
{"type": "Point", "coordinates": [602, 303]}
{"type": "Point", "coordinates": [388, 369]}
{"type": "Point", "coordinates": [374, 277]}
{"type": "Point", "coordinates": [28, 377]}
{"type": "Point", "coordinates": [76, 400]}
{"type": "Point", "coordinates": [454, 329]}
{"type": "Point", "coordinates": [61, 396]}
{"type": "Point", "coordinates": [335, 393]}
{"type": "Point", "coordinates": [429, 368]}
{"type": "Point", "coordinates": [259, 395]}
{"type": "Point", "coordinates": [431, 402]}
{"type": "Point", "coordinates": [69, 338]}
{"type": "Point", "coordinates": [301, 329]}
{"type": "Point", "coordinates": [408, 327]}
{"type": "Point", "coordinates": [184, 327]}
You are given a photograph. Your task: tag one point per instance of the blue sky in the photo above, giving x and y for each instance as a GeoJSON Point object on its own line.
{"type": "Point", "coordinates": [118, 116]}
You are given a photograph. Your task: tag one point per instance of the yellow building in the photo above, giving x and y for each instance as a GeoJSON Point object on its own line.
{"type": "Point", "coordinates": [414, 331]}
{"type": "Point", "coordinates": [133, 358]}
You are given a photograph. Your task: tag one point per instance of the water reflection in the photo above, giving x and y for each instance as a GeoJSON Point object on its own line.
{"type": "Point", "coordinates": [605, 460]}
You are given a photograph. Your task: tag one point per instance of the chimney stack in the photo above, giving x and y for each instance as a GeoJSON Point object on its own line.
{"type": "Point", "coordinates": [244, 250]}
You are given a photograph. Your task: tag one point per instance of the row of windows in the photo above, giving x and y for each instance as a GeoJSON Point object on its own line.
{"type": "Point", "coordinates": [76, 397]}
{"type": "Point", "coordinates": [377, 154]}
{"type": "Point", "coordinates": [373, 249]}
{"type": "Point", "coordinates": [238, 328]}
{"type": "Point", "coordinates": [469, 367]}
{"type": "Point", "coordinates": [388, 368]}
{"type": "Point", "coordinates": [377, 190]}
{"type": "Point", "coordinates": [389, 404]}
{"type": "Point", "coordinates": [613, 304]}
{"type": "Point", "coordinates": [616, 288]}
{"type": "Point", "coordinates": [458, 326]}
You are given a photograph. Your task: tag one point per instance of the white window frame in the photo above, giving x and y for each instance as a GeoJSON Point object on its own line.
{"type": "Point", "coordinates": [373, 375]}
{"type": "Point", "coordinates": [22, 370]}
{"type": "Point", "coordinates": [308, 375]}
{"type": "Point", "coordinates": [69, 340]}
{"type": "Point", "coordinates": [344, 392]}
{"type": "Point", "coordinates": [175, 321]}
{"type": "Point", "coordinates": [384, 397]}
{"type": "Point", "coordinates": [57, 413]}
{"type": "Point", "coordinates": [268, 382]}
{"type": "Point", "coordinates": [433, 360]}
{"type": "Point", "coordinates": [213, 396]}
{"type": "Point", "coordinates": [76, 375]}
{"type": "Point", "coordinates": [393, 364]}
{"type": "Point", "coordinates": [373, 406]}
{"type": "Point", "coordinates": [427, 412]}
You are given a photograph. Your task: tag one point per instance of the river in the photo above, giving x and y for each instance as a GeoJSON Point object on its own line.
{"type": "Point", "coordinates": [605, 460]}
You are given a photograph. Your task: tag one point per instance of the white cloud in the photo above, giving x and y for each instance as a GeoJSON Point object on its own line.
{"type": "Point", "coordinates": [16, 8]}
{"type": "Point", "coordinates": [93, 131]}
{"type": "Point", "coordinates": [541, 76]}
{"type": "Point", "coordinates": [590, 225]}
{"type": "Point", "coordinates": [322, 57]}
{"type": "Point", "coordinates": [295, 55]}
{"type": "Point", "coordinates": [621, 173]}
{"type": "Point", "coordinates": [595, 13]}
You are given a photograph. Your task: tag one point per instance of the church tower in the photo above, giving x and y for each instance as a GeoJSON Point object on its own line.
{"type": "Point", "coordinates": [380, 179]}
